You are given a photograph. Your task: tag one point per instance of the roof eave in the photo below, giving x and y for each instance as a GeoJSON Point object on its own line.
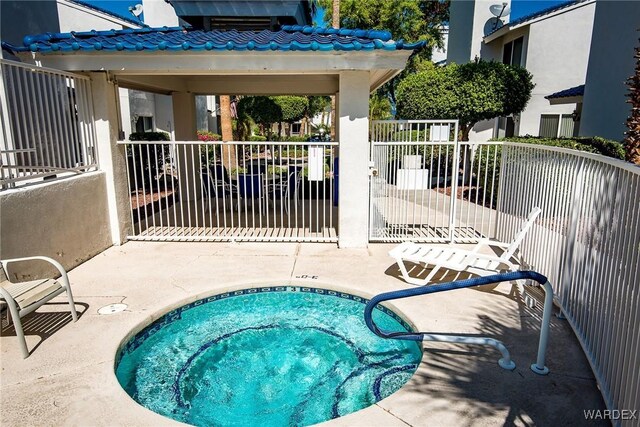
{"type": "Point", "coordinates": [382, 64]}
{"type": "Point", "coordinates": [565, 100]}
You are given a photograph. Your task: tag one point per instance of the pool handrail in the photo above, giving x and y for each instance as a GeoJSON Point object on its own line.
{"type": "Point", "coordinates": [506, 362]}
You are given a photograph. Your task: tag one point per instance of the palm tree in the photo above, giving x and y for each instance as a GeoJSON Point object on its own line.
{"type": "Point", "coordinates": [632, 139]}
{"type": "Point", "coordinates": [228, 152]}
{"type": "Point", "coordinates": [335, 23]}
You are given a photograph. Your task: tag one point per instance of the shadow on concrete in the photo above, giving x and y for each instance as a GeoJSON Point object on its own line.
{"type": "Point", "coordinates": [471, 376]}
{"type": "Point", "coordinates": [44, 324]}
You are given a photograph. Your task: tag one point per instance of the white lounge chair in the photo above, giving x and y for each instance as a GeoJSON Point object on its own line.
{"type": "Point", "coordinates": [441, 256]}
{"type": "Point", "coordinates": [23, 298]}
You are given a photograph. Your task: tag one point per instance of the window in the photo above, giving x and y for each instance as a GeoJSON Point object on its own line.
{"type": "Point", "coordinates": [296, 127]}
{"type": "Point", "coordinates": [556, 126]}
{"type": "Point", "coordinates": [144, 124]}
{"type": "Point", "coordinates": [512, 52]}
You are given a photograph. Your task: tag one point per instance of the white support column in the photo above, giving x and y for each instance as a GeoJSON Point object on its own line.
{"type": "Point", "coordinates": [353, 135]}
{"type": "Point", "coordinates": [184, 117]}
{"type": "Point", "coordinates": [112, 157]}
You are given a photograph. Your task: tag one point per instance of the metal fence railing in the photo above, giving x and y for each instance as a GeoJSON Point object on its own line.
{"type": "Point", "coordinates": [233, 191]}
{"type": "Point", "coordinates": [427, 186]}
{"type": "Point", "coordinates": [587, 241]}
{"type": "Point", "coordinates": [47, 124]}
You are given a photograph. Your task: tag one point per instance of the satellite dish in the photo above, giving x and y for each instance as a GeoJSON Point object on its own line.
{"type": "Point", "coordinates": [491, 25]}
{"type": "Point", "coordinates": [136, 10]}
{"type": "Point", "coordinates": [500, 10]}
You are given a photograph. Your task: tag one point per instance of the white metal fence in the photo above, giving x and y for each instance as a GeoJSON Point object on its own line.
{"type": "Point", "coordinates": [587, 241]}
{"type": "Point", "coordinates": [233, 191]}
{"type": "Point", "coordinates": [47, 124]}
{"type": "Point", "coordinates": [427, 186]}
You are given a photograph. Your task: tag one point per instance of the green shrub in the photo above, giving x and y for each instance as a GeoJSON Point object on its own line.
{"type": "Point", "coordinates": [295, 138]}
{"type": "Point", "coordinates": [484, 166]}
{"type": "Point", "coordinates": [595, 145]}
{"type": "Point", "coordinates": [149, 136]}
{"type": "Point", "coordinates": [146, 161]}
{"type": "Point", "coordinates": [257, 138]}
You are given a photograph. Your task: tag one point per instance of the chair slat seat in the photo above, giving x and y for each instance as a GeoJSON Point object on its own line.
{"type": "Point", "coordinates": [26, 293]}
{"type": "Point", "coordinates": [23, 298]}
{"type": "Point", "coordinates": [459, 259]}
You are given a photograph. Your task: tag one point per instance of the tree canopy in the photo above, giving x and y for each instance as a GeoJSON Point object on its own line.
{"type": "Point", "coordinates": [292, 108]}
{"type": "Point", "coordinates": [470, 92]}
{"type": "Point", "coordinates": [263, 110]}
{"type": "Point", "coordinates": [409, 20]}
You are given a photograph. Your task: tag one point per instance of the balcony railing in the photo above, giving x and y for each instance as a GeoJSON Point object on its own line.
{"type": "Point", "coordinates": [47, 125]}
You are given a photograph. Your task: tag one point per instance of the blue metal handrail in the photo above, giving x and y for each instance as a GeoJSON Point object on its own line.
{"type": "Point", "coordinates": [506, 361]}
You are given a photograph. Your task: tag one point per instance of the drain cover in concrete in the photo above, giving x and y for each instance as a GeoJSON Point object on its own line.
{"type": "Point", "coordinates": [112, 308]}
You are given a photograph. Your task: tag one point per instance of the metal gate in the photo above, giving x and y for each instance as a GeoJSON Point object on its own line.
{"type": "Point", "coordinates": [426, 186]}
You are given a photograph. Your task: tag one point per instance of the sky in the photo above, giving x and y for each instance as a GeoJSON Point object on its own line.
{"type": "Point", "coordinates": [518, 7]}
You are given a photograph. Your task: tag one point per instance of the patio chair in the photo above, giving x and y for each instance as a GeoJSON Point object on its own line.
{"type": "Point", "coordinates": [251, 186]}
{"type": "Point", "coordinates": [23, 298]}
{"type": "Point", "coordinates": [472, 261]}
{"type": "Point", "coordinates": [286, 190]}
{"type": "Point", "coordinates": [218, 184]}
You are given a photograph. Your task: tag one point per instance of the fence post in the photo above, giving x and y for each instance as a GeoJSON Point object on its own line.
{"type": "Point", "coordinates": [455, 174]}
{"type": "Point", "coordinates": [113, 159]}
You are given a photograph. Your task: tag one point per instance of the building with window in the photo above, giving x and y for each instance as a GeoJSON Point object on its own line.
{"type": "Point", "coordinates": [568, 63]}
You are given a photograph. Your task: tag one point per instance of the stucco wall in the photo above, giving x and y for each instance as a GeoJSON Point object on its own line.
{"type": "Point", "coordinates": [557, 53]}
{"type": "Point", "coordinates": [43, 17]}
{"type": "Point", "coordinates": [164, 114]}
{"type": "Point", "coordinates": [66, 220]}
{"type": "Point", "coordinates": [158, 13]}
{"type": "Point", "coordinates": [467, 23]}
{"type": "Point", "coordinates": [460, 31]}
{"type": "Point", "coordinates": [74, 17]}
{"type": "Point", "coordinates": [611, 62]}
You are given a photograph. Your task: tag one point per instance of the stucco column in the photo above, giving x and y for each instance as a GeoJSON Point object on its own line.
{"type": "Point", "coordinates": [184, 117]}
{"type": "Point", "coordinates": [353, 135]}
{"type": "Point", "coordinates": [112, 157]}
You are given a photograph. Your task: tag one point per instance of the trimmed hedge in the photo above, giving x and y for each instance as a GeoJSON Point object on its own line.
{"type": "Point", "coordinates": [595, 145]}
{"type": "Point", "coordinates": [257, 138]}
{"type": "Point", "coordinates": [605, 147]}
{"type": "Point", "coordinates": [149, 136]}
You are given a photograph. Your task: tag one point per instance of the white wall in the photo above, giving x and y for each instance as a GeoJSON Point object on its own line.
{"type": "Point", "coordinates": [158, 13]}
{"type": "Point", "coordinates": [74, 17]}
{"type": "Point", "coordinates": [467, 29]}
{"type": "Point", "coordinates": [438, 55]}
{"type": "Point", "coordinates": [557, 54]}
{"type": "Point", "coordinates": [163, 119]}
{"type": "Point", "coordinates": [611, 62]}
{"type": "Point", "coordinates": [66, 220]}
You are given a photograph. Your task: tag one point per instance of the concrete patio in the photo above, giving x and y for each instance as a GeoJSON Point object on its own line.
{"type": "Point", "coordinates": [69, 378]}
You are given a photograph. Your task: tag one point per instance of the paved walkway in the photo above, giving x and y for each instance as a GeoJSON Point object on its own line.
{"type": "Point", "coordinates": [69, 379]}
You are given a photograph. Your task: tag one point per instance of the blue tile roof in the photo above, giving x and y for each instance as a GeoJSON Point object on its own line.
{"type": "Point", "coordinates": [545, 11]}
{"type": "Point", "coordinates": [289, 38]}
{"type": "Point", "coordinates": [539, 13]}
{"type": "Point", "coordinates": [574, 91]}
{"type": "Point", "coordinates": [108, 12]}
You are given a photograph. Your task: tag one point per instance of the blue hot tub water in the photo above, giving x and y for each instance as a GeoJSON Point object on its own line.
{"type": "Point", "coordinates": [266, 357]}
